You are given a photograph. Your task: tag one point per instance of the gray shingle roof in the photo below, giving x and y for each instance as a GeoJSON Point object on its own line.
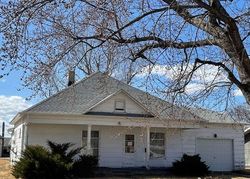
{"type": "Point", "coordinates": [80, 97]}
{"type": "Point", "coordinates": [214, 116]}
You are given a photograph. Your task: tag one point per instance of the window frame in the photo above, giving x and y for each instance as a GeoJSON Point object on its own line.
{"type": "Point", "coordinates": [84, 143]}
{"type": "Point", "coordinates": [126, 146]}
{"type": "Point", "coordinates": [117, 109]}
{"type": "Point", "coordinates": [158, 147]}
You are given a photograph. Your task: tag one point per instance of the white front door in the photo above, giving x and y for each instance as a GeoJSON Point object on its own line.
{"type": "Point", "coordinates": [129, 150]}
{"type": "Point", "coordinates": [217, 153]}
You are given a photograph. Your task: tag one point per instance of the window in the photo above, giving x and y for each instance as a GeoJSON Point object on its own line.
{"type": "Point", "coordinates": [157, 145]}
{"type": "Point", "coordinates": [129, 143]}
{"type": "Point", "coordinates": [120, 105]}
{"type": "Point", "coordinates": [94, 142]}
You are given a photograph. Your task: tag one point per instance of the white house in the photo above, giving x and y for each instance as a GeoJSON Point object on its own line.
{"type": "Point", "coordinates": [126, 127]}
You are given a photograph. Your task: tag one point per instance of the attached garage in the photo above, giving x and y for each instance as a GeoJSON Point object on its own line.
{"type": "Point", "coordinates": [217, 153]}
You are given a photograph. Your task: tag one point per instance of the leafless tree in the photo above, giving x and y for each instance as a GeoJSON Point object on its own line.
{"type": "Point", "coordinates": [188, 50]}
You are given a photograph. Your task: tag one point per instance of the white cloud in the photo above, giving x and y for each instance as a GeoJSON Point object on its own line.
{"type": "Point", "coordinates": [202, 77]}
{"type": "Point", "coordinates": [194, 87]}
{"type": "Point", "coordinates": [10, 106]}
{"type": "Point", "coordinates": [237, 92]}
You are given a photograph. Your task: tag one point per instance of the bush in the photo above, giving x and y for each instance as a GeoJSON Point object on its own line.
{"type": "Point", "coordinates": [62, 151]}
{"type": "Point", "coordinates": [36, 162]}
{"type": "Point", "coordinates": [190, 166]}
{"type": "Point", "coordinates": [85, 166]}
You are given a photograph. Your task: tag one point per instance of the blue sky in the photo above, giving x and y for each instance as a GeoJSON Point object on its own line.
{"type": "Point", "coordinates": [12, 100]}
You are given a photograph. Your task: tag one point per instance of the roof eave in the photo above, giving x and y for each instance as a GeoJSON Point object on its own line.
{"type": "Point", "coordinates": [17, 117]}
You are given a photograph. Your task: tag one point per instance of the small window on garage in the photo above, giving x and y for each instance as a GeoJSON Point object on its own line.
{"type": "Point", "coordinates": [129, 143]}
{"type": "Point", "coordinates": [120, 106]}
{"type": "Point", "coordinates": [157, 145]}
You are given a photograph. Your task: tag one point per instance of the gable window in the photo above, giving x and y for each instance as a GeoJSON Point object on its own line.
{"type": "Point", "coordinates": [120, 106]}
{"type": "Point", "coordinates": [94, 142]}
{"type": "Point", "coordinates": [157, 145]}
{"type": "Point", "coordinates": [129, 143]}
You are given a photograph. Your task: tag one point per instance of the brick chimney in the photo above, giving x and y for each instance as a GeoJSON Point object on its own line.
{"type": "Point", "coordinates": [71, 77]}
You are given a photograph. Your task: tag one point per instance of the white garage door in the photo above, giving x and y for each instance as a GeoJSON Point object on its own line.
{"type": "Point", "coordinates": [217, 153]}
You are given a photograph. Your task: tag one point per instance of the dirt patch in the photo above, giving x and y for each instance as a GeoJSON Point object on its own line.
{"type": "Point", "coordinates": [5, 169]}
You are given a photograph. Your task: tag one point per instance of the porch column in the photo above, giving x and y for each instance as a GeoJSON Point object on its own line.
{"type": "Point", "coordinates": [24, 136]}
{"type": "Point", "coordinates": [147, 146]}
{"type": "Point", "coordinates": [89, 140]}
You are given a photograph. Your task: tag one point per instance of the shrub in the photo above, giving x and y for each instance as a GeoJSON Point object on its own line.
{"type": "Point", "coordinates": [85, 166]}
{"type": "Point", "coordinates": [36, 162]}
{"type": "Point", "coordinates": [62, 151]}
{"type": "Point", "coordinates": [190, 166]}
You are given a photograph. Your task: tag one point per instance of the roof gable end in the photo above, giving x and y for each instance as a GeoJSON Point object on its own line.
{"type": "Point", "coordinates": [131, 105]}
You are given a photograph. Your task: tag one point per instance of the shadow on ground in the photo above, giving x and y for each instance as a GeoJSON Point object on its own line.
{"type": "Point", "coordinates": [129, 173]}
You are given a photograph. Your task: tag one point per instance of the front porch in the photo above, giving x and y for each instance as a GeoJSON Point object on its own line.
{"type": "Point", "coordinates": [116, 147]}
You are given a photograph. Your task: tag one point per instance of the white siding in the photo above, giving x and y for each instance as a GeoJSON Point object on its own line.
{"type": "Point", "coordinates": [16, 142]}
{"type": "Point", "coordinates": [109, 105]}
{"type": "Point", "coordinates": [247, 153]}
{"type": "Point", "coordinates": [111, 144]}
{"type": "Point", "coordinates": [111, 141]}
{"type": "Point", "coordinates": [223, 132]}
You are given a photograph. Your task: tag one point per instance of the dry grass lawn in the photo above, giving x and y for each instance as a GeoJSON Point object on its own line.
{"type": "Point", "coordinates": [5, 173]}
{"type": "Point", "coordinates": [5, 170]}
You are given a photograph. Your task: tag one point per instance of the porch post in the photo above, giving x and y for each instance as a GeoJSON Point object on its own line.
{"type": "Point", "coordinates": [89, 140]}
{"type": "Point", "coordinates": [147, 147]}
{"type": "Point", "coordinates": [24, 136]}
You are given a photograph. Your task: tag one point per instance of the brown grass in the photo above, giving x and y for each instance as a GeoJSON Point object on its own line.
{"type": "Point", "coordinates": [5, 169]}
{"type": "Point", "coordinates": [5, 173]}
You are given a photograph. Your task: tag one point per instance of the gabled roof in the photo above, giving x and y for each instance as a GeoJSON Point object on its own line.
{"type": "Point", "coordinates": [148, 112]}
{"type": "Point", "coordinates": [82, 96]}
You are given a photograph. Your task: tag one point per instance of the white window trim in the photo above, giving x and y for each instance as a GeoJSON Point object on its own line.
{"type": "Point", "coordinates": [117, 109]}
{"type": "Point", "coordinates": [85, 138]}
{"type": "Point", "coordinates": [125, 144]}
{"type": "Point", "coordinates": [163, 147]}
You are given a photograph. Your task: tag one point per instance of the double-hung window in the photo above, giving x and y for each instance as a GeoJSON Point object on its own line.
{"type": "Point", "coordinates": [94, 142]}
{"type": "Point", "coordinates": [157, 145]}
